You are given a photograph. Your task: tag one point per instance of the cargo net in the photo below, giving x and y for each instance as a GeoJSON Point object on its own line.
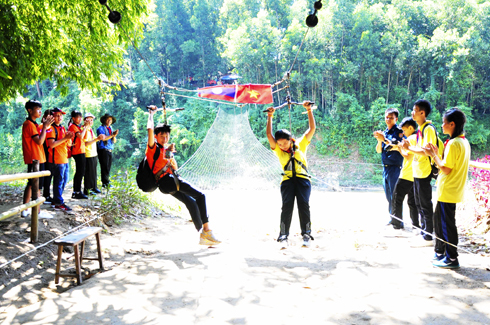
{"type": "Point", "coordinates": [231, 157]}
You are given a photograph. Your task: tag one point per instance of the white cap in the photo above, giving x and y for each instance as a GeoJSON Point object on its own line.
{"type": "Point", "coordinates": [88, 115]}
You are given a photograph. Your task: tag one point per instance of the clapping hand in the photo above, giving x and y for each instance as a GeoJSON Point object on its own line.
{"type": "Point", "coordinates": [47, 121]}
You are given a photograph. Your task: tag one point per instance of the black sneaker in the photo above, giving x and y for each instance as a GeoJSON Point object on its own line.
{"type": "Point", "coordinates": [96, 191]}
{"type": "Point", "coordinates": [80, 196]}
{"type": "Point", "coordinates": [48, 200]}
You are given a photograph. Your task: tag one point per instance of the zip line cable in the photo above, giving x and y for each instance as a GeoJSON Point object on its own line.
{"type": "Point", "coordinates": [299, 49]}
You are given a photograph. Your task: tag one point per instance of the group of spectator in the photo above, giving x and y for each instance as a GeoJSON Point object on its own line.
{"type": "Point", "coordinates": [410, 153]}
{"type": "Point", "coordinates": [52, 145]}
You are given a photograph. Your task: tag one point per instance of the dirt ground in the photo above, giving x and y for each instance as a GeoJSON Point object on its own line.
{"type": "Point", "coordinates": [155, 272]}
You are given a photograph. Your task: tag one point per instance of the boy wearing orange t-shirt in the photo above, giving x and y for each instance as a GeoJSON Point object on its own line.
{"type": "Point", "coordinates": [78, 153]}
{"type": "Point", "coordinates": [58, 140]}
{"type": "Point", "coordinates": [33, 136]}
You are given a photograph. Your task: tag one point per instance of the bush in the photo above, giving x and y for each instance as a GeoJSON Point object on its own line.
{"type": "Point", "coordinates": [125, 201]}
{"type": "Point", "coordinates": [480, 185]}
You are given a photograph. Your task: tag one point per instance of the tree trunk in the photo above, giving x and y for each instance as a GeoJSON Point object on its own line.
{"type": "Point", "coordinates": [203, 64]}
{"type": "Point", "coordinates": [408, 90]}
{"type": "Point", "coordinates": [39, 92]}
{"type": "Point", "coordinates": [389, 79]}
{"type": "Point", "coordinates": [360, 80]}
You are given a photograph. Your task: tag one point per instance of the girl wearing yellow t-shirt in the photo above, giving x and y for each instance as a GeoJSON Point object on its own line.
{"type": "Point", "coordinates": [450, 187]}
{"type": "Point", "coordinates": [296, 182]}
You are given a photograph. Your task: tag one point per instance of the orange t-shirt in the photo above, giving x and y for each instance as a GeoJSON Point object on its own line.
{"type": "Point", "coordinates": [59, 154]}
{"type": "Point", "coordinates": [78, 143]}
{"type": "Point", "coordinates": [161, 161]}
{"type": "Point", "coordinates": [32, 150]}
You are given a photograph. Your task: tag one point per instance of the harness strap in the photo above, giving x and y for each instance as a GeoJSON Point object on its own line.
{"type": "Point", "coordinates": [292, 162]}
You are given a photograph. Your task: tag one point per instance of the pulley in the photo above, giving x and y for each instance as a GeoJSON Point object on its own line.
{"type": "Point", "coordinates": [114, 16]}
{"type": "Point", "coordinates": [312, 20]}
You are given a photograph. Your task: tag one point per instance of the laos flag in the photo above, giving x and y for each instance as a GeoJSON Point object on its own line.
{"type": "Point", "coordinates": [224, 92]}
{"type": "Point", "coordinates": [242, 94]}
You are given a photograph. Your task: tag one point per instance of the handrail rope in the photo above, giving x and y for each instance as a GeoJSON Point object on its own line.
{"type": "Point", "coordinates": [433, 235]}
{"type": "Point", "coordinates": [46, 243]}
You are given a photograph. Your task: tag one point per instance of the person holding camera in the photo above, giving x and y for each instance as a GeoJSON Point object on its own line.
{"type": "Point", "coordinates": [105, 147]}
{"type": "Point", "coordinates": [296, 181]}
{"type": "Point", "coordinates": [164, 169]}
{"type": "Point", "coordinates": [392, 160]}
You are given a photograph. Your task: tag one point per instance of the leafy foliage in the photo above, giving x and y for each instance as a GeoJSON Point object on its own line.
{"type": "Point", "coordinates": [62, 41]}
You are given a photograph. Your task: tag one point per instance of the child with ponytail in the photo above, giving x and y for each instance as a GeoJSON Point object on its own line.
{"type": "Point", "coordinates": [450, 187]}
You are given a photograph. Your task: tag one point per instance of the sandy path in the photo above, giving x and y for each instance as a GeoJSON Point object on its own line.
{"type": "Point", "coordinates": [350, 274]}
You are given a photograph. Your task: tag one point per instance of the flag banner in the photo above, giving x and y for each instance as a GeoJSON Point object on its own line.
{"type": "Point", "coordinates": [242, 94]}
{"type": "Point", "coordinates": [254, 94]}
{"type": "Point", "coordinates": [224, 92]}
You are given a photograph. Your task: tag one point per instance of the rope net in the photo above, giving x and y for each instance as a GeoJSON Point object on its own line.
{"type": "Point", "coordinates": [231, 158]}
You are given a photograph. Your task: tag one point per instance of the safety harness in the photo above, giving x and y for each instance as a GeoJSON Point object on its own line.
{"type": "Point", "coordinates": [167, 169]}
{"type": "Point", "coordinates": [290, 165]}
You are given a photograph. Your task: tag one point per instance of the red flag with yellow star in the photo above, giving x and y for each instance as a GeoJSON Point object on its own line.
{"type": "Point", "coordinates": [254, 94]}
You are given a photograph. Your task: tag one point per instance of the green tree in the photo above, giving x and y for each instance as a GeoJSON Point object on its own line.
{"type": "Point", "coordinates": [63, 41]}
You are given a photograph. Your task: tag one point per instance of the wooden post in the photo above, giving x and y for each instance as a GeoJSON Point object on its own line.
{"type": "Point", "coordinates": [35, 209]}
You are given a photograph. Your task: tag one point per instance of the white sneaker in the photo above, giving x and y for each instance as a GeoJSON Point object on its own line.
{"type": "Point", "coordinates": [45, 215]}
{"type": "Point", "coordinates": [307, 240]}
{"type": "Point", "coordinates": [390, 232]}
{"type": "Point", "coordinates": [283, 241]}
{"type": "Point", "coordinates": [25, 213]}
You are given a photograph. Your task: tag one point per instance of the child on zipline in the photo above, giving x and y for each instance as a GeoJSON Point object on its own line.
{"type": "Point", "coordinates": [295, 182]}
{"type": "Point", "coordinates": [451, 181]}
{"type": "Point", "coordinates": [169, 183]}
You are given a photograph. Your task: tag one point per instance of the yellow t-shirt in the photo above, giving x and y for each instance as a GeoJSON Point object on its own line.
{"type": "Point", "coordinates": [450, 187]}
{"type": "Point", "coordinates": [421, 164]}
{"type": "Point", "coordinates": [407, 172]}
{"type": "Point", "coordinates": [300, 154]}
{"type": "Point", "coordinates": [90, 150]}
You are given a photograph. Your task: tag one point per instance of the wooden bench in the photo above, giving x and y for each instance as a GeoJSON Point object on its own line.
{"type": "Point", "coordinates": [74, 240]}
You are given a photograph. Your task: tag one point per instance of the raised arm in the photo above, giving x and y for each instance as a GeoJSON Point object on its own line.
{"type": "Point", "coordinates": [150, 125]}
{"type": "Point", "coordinates": [311, 121]}
{"type": "Point", "coordinates": [268, 130]}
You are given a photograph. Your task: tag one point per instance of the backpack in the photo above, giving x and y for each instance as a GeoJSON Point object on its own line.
{"type": "Point", "coordinates": [440, 146]}
{"type": "Point", "coordinates": [144, 176]}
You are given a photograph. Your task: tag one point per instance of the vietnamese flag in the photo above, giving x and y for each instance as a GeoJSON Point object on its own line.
{"type": "Point", "coordinates": [254, 94]}
{"type": "Point", "coordinates": [242, 94]}
{"type": "Point", "coordinates": [224, 92]}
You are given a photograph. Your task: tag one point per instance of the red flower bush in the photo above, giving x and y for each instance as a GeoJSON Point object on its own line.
{"type": "Point", "coordinates": [480, 184]}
